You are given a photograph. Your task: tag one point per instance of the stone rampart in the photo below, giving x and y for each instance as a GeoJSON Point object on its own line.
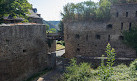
{"type": "Point", "coordinates": [23, 51]}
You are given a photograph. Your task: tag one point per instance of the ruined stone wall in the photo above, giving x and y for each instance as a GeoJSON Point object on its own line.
{"type": "Point", "coordinates": [23, 51]}
{"type": "Point", "coordinates": [89, 38]}
{"type": "Point", "coordinates": [52, 48]}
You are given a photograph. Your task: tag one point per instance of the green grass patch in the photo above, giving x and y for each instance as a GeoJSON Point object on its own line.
{"type": "Point", "coordinates": [59, 47]}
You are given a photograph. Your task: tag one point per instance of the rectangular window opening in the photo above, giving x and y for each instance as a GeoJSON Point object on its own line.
{"type": "Point", "coordinates": [117, 14]}
{"type": "Point", "coordinates": [130, 26]}
{"type": "Point", "coordinates": [108, 37]}
{"type": "Point", "coordinates": [97, 36]}
{"type": "Point", "coordinates": [126, 14]}
{"type": "Point", "coordinates": [121, 26]}
{"type": "Point", "coordinates": [87, 37]}
{"type": "Point", "coordinates": [136, 13]}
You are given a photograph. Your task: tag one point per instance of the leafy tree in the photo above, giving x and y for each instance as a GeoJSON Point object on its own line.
{"type": "Point", "coordinates": [61, 27]}
{"type": "Point", "coordinates": [103, 12]}
{"type": "Point", "coordinates": [47, 27]}
{"type": "Point", "coordinates": [14, 8]}
{"type": "Point", "coordinates": [130, 37]}
{"type": "Point", "coordinates": [87, 10]}
{"type": "Point", "coordinates": [52, 30]}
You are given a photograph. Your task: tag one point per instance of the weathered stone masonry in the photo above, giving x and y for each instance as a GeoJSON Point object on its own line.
{"type": "Point", "coordinates": [89, 38]}
{"type": "Point", "coordinates": [23, 51]}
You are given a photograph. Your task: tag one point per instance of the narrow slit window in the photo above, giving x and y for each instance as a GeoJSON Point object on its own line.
{"type": "Point", "coordinates": [108, 37]}
{"type": "Point", "coordinates": [130, 26]}
{"type": "Point", "coordinates": [121, 26]}
{"type": "Point", "coordinates": [78, 49]}
{"type": "Point", "coordinates": [117, 14]}
{"type": "Point", "coordinates": [136, 13]}
{"type": "Point", "coordinates": [87, 37]}
{"type": "Point", "coordinates": [126, 14]}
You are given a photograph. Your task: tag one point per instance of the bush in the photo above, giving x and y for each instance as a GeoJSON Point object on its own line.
{"type": "Point", "coordinates": [106, 71]}
{"type": "Point", "coordinates": [74, 72]}
{"type": "Point", "coordinates": [83, 72]}
{"type": "Point", "coordinates": [133, 69]}
{"type": "Point", "coordinates": [133, 65]}
{"type": "Point", "coordinates": [128, 35]}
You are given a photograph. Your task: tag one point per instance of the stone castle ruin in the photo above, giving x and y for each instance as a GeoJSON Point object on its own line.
{"type": "Point", "coordinates": [89, 38]}
{"type": "Point", "coordinates": [23, 51]}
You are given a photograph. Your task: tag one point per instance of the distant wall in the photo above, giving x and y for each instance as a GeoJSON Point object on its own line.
{"type": "Point", "coordinates": [91, 38]}
{"type": "Point", "coordinates": [22, 51]}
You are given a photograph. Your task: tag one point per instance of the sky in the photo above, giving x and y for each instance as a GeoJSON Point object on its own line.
{"type": "Point", "coordinates": [50, 9]}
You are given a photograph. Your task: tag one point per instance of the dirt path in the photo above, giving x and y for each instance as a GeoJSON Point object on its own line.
{"type": "Point", "coordinates": [55, 74]}
{"type": "Point", "coordinates": [60, 52]}
{"type": "Point", "coordinates": [50, 76]}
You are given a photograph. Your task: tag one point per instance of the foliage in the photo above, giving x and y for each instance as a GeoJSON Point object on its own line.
{"type": "Point", "coordinates": [83, 72]}
{"type": "Point", "coordinates": [87, 10]}
{"type": "Point", "coordinates": [103, 12]}
{"type": "Point", "coordinates": [130, 37]}
{"type": "Point", "coordinates": [106, 71]}
{"type": "Point", "coordinates": [61, 27]}
{"type": "Point", "coordinates": [14, 8]}
{"type": "Point", "coordinates": [47, 27]}
{"type": "Point", "coordinates": [123, 1]}
{"type": "Point", "coordinates": [133, 69]}
{"type": "Point", "coordinates": [74, 72]}
{"type": "Point", "coordinates": [52, 30]}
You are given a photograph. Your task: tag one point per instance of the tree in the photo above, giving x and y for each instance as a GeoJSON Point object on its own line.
{"type": "Point", "coordinates": [103, 12]}
{"type": "Point", "coordinates": [14, 8]}
{"type": "Point", "coordinates": [47, 27]}
{"type": "Point", "coordinates": [61, 27]}
{"type": "Point", "coordinates": [130, 37]}
{"type": "Point", "coordinates": [52, 30]}
{"type": "Point", "coordinates": [87, 10]}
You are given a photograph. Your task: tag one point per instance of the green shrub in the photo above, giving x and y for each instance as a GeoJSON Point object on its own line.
{"type": "Point", "coordinates": [74, 72]}
{"type": "Point", "coordinates": [83, 72]}
{"type": "Point", "coordinates": [128, 35]}
{"type": "Point", "coordinates": [107, 71]}
{"type": "Point", "coordinates": [133, 69]}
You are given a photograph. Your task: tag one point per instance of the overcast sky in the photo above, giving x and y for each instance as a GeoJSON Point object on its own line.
{"type": "Point", "coordinates": [51, 9]}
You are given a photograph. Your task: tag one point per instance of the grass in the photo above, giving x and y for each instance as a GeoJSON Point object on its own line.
{"type": "Point", "coordinates": [59, 47]}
